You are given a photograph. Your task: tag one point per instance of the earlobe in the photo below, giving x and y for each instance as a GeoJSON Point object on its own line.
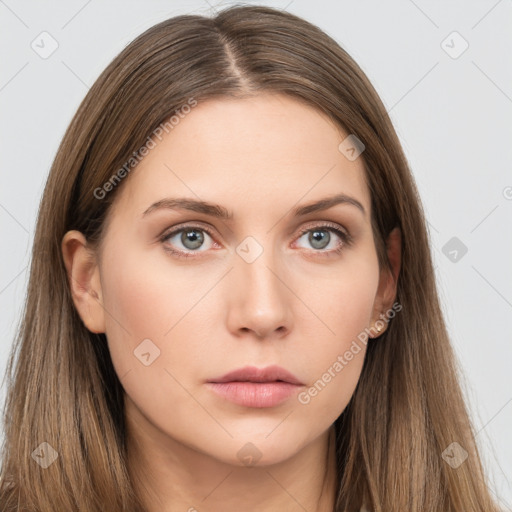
{"type": "Point", "coordinates": [84, 280]}
{"type": "Point", "coordinates": [388, 281]}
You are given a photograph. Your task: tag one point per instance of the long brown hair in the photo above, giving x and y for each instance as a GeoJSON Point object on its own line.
{"type": "Point", "coordinates": [63, 390]}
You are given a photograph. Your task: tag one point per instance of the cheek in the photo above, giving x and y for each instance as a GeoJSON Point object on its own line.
{"type": "Point", "coordinates": [142, 301]}
{"type": "Point", "coordinates": [149, 304]}
{"type": "Point", "coordinates": [335, 359]}
{"type": "Point", "coordinates": [342, 297]}
{"type": "Point", "coordinates": [148, 297]}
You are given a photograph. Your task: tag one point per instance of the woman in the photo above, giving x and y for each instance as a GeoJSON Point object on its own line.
{"type": "Point", "coordinates": [232, 303]}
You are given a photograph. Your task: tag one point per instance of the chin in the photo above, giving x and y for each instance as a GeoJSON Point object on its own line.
{"type": "Point", "coordinates": [261, 450]}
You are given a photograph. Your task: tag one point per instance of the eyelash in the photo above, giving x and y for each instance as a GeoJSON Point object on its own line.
{"type": "Point", "coordinates": [345, 237]}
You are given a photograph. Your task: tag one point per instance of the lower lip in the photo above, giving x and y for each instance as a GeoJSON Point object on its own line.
{"type": "Point", "coordinates": [254, 394]}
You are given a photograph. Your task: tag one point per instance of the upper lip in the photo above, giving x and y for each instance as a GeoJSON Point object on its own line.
{"type": "Point", "coordinates": [252, 374]}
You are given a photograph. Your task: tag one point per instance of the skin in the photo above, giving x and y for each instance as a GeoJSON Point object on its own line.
{"type": "Point", "coordinates": [214, 312]}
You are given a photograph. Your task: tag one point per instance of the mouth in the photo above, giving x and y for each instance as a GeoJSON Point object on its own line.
{"type": "Point", "coordinates": [255, 387]}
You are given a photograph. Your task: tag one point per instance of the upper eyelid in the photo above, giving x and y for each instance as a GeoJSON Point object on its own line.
{"type": "Point", "coordinates": [309, 225]}
{"type": "Point", "coordinates": [192, 225]}
{"type": "Point", "coordinates": [323, 224]}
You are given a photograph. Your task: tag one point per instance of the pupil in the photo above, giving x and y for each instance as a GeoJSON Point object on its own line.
{"type": "Point", "coordinates": [318, 237]}
{"type": "Point", "coordinates": [192, 239]}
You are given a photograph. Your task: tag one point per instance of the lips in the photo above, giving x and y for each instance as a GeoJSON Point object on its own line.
{"type": "Point", "coordinates": [255, 387]}
{"type": "Point", "coordinates": [252, 374]}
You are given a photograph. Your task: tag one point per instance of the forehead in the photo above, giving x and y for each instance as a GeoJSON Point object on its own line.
{"type": "Point", "coordinates": [266, 152]}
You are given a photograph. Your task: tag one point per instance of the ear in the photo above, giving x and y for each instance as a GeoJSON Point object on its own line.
{"type": "Point", "coordinates": [388, 280]}
{"type": "Point", "coordinates": [84, 280]}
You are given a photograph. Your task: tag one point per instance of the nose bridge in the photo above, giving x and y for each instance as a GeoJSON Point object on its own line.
{"type": "Point", "coordinates": [259, 300]}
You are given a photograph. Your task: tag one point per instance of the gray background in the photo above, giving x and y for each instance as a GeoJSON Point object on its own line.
{"type": "Point", "coordinates": [453, 114]}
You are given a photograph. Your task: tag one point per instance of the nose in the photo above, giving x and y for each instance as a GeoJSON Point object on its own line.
{"type": "Point", "coordinates": [259, 300]}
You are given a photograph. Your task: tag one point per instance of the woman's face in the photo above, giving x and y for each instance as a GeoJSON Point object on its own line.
{"type": "Point", "coordinates": [263, 286]}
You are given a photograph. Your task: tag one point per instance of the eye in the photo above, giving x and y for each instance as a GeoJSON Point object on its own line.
{"type": "Point", "coordinates": [187, 239]}
{"type": "Point", "coordinates": [320, 238]}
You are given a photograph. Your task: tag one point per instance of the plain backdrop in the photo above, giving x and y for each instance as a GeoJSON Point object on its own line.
{"type": "Point", "coordinates": [444, 72]}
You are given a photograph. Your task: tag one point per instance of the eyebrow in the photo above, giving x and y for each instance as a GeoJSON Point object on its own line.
{"type": "Point", "coordinates": [215, 210]}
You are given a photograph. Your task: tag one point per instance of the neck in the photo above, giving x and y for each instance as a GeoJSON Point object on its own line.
{"type": "Point", "coordinates": [169, 476]}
